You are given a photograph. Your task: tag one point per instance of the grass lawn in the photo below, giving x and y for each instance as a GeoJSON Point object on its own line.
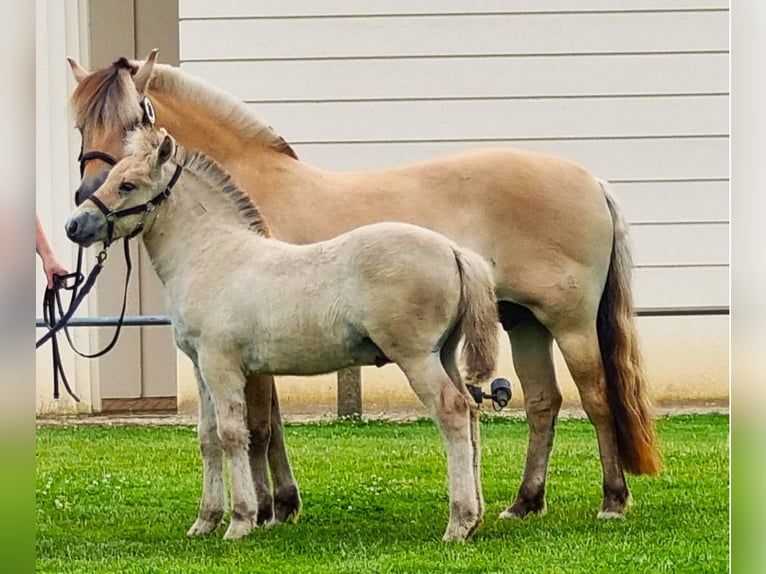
{"type": "Point", "coordinates": [375, 500]}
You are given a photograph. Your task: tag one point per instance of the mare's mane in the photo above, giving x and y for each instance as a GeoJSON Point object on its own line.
{"type": "Point", "coordinates": [107, 97]}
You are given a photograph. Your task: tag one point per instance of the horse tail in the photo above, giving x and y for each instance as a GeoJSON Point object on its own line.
{"type": "Point", "coordinates": [477, 316]}
{"type": "Point", "coordinates": [625, 380]}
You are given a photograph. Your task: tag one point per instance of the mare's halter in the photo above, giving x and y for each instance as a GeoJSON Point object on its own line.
{"type": "Point", "coordinates": [52, 304]}
{"type": "Point", "coordinates": [148, 118]}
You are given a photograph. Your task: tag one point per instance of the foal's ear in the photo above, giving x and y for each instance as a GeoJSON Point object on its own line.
{"type": "Point", "coordinates": [79, 72]}
{"type": "Point", "coordinates": [166, 150]}
{"type": "Point", "coordinates": [144, 73]}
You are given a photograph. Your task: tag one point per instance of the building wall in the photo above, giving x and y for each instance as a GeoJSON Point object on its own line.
{"type": "Point", "coordinates": [635, 91]}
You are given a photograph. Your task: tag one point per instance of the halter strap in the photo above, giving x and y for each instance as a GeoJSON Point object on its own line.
{"type": "Point", "coordinates": [147, 207]}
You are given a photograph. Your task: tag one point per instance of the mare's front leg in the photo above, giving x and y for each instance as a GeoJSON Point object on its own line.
{"type": "Point", "coordinates": [211, 505]}
{"type": "Point", "coordinates": [226, 382]}
{"type": "Point", "coordinates": [267, 449]}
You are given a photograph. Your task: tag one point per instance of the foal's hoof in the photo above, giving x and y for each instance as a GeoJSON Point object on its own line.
{"type": "Point", "coordinates": [287, 506]}
{"type": "Point", "coordinates": [238, 528]}
{"type": "Point", "coordinates": [205, 524]}
{"type": "Point", "coordinates": [461, 529]}
{"type": "Point", "coordinates": [201, 528]}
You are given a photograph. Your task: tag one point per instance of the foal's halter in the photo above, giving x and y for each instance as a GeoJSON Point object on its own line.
{"type": "Point", "coordinates": [111, 216]}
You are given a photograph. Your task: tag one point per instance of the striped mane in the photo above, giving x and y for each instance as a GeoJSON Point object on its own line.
{"type": "Point", "coordinates": [215, 176]}
{"type": "Point", "coordinates": [142, 141]}
{"type": "Point", "coordinates": [108, 97]}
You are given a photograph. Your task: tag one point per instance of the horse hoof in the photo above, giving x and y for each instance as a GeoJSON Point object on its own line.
{"type": "Point", "coordinates": [610, 515]}
{"type": "Point", "coordinates": [201, 528]}
{"type": "Point", "coordinates": [238, 529]}
{"type": "Point", "coordinates": [521, 509]}
{"type": "Point", "coordinates": [287, 506]}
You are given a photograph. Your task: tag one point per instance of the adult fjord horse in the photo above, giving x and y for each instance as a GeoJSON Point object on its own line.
{"type": "Point", "coordinates": [554, 236]}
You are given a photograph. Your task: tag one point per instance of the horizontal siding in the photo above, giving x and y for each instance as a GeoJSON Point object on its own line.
{"type": "Point", "coordinates": [681, 287]}
{"type": "Point", "coordinates": [307, 8]}
{"type": "Point", "coordinates": [687, 245]}
{"type": "Point", "coordinates": [662, 202]}
{"type": "Point", "coordinates": [685, 159]}
{"type": "Point", "coordinates": [440, 36]}
{"type": "Point", "coordinates": [498, 119]}
{"type": "Point", "coordinates": [634, 90]}
{"type": "Point", "coordinates": [462, 78]}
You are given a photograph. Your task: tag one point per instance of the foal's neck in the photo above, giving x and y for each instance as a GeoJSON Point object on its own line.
{"type": "Point", "coordinates": [205, 211]}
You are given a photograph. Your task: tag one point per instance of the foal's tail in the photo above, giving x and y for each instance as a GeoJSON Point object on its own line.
{"type": "Point", "coordinates": [477, 315]}
{"type": "Point", "coordinates": [625, 380]}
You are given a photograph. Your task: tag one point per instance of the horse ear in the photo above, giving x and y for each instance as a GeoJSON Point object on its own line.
{"type": "Point", "coordinates": [144, 73]}
{"type": "Point", "coordinates": [166, 150]}
{"type": "Point", "coordinates": [79, 72]}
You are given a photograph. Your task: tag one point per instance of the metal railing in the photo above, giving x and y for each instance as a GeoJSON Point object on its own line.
{"type": "Point", "coordinates": [349, 398]}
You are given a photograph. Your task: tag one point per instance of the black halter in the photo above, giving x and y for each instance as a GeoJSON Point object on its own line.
{"type": "Point", "coordinates": [111, 216]}
{"type": "Point", "coordinates": [147, 119]}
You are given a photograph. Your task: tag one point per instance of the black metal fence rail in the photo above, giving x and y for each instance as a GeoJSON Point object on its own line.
{"type": "Point", "coordinates": [159, 320]}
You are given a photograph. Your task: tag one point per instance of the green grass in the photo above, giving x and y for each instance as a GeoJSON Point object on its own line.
{"type": "Point", "coordinates": [375, 500]}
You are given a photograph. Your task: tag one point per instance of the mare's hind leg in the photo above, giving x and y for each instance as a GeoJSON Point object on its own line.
{"type": "Point", "coordinates": [211, 505]}
{"type": "Point", "coordinates": [531, 345]}
{"type": "Point", "coordinates": [583, 357]}
{"type": "Point", "coordinates": [450, 409]}
{"type": "Point", "coordinates": [267, 447]}
{"type": "Point", "coordinates": [226, 382]}
{"type": "Point", "coordinates": [449, 361]}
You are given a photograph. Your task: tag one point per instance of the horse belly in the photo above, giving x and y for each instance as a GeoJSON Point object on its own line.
{"type": "Point", "coordinates": [306, 355]}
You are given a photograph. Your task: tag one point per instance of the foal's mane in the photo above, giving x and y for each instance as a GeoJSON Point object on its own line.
{"type": "Point", "coordinates": [107, 97]}
{"type": "Point", "coordinates": [144, 140]}
{"type": "Point", "coordinates": [214, 175]}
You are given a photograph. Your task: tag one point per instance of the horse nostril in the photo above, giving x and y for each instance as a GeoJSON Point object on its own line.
{"type": "Point", "coordinates": [71, 229]}
{"type": "Point", "coordinates": [78, 199]}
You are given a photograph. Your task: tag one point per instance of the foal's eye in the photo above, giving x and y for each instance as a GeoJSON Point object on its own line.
{"type": "Point", "coordinates": [126, 186]}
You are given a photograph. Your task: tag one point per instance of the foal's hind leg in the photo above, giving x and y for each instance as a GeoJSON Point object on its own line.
{"type": "Point", "coordinates": [449, 361]}
{"type": "Point", "coordinates": [211, 505]}
{"type": "Point", "coordinates": [531, 345]}
{"type": "Point", "coordinates": [226, 383]}
{"type": "Point", "coordinates": [581, 351]}
{"type": "Point", "coordinates": [450, 409]}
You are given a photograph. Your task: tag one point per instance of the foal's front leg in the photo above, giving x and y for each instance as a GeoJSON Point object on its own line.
{"type": "Point", "coordinates": [211, 505]}
{"type": "Point", "coordinates": [226, 383]}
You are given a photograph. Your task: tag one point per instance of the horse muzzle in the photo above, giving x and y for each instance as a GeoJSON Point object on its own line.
{"type": "Point", "coordinates": [86, 227]}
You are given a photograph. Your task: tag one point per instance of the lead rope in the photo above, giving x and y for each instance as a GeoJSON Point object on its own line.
{"type": "Point", "coordinates": [52, 304]}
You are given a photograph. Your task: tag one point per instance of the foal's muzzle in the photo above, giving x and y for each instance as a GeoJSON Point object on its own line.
{"type": "Point", "coordinates": [85, 227]}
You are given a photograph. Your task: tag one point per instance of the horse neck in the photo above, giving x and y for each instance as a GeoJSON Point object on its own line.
{"type": "Point", "coordinates": [196, 216]}
{"type": "Point", "coordinates": [197, 127]}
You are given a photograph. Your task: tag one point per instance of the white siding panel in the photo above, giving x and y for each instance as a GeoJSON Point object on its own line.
{"type": "Point", "coordinates": [680, 245]}
{"type": "Point", "coordinates": [681, 287]}
{"type": "Point", "coordinates": [248, 8]}
{"type": "Point", "coordinates": [498, 119]}
{"type": "Point", "coordinates": [660, 159]}
{"type": "Point", "coordinates": [674, 201]}
{"type": "Point", "coordinates": [440, 36]}
{"type": "Point", "coordinates": [569, 76]}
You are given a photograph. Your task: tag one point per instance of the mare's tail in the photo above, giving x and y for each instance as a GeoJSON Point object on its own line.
{"type": "Point", "coordinates": [625, 380]}
{"type": "Point", "coordinates": [477, 316]}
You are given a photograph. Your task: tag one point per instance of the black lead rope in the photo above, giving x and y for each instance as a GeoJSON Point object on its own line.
{"type": "Point", "coordinates": [52, 305]}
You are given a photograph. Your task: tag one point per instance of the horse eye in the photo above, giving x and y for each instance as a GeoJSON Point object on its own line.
{"type": "Point", "coordinates": [126, 186]}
